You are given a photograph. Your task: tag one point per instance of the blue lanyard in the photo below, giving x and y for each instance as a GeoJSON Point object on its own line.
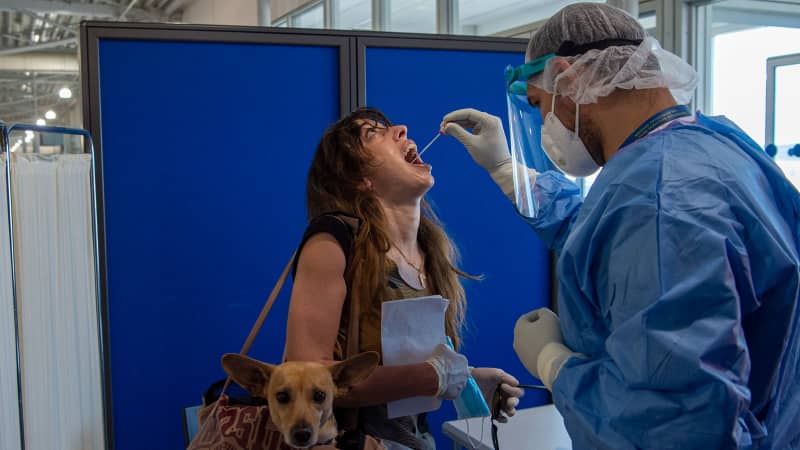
{"type": "Point", "coordinates": [656, 121]}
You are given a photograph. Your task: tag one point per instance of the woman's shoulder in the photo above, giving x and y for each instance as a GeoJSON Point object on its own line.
{"type": "Point", "coordinates": [340, 226]}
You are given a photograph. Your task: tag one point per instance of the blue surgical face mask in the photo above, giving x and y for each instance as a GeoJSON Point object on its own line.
{"type": "Point", "coordinates": [471, 402]}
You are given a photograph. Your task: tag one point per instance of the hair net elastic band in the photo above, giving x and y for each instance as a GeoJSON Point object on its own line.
{"type": "Point", "coordinates": [570, 48]}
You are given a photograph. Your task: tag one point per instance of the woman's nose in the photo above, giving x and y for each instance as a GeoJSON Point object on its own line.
{"type": "Point", "coordinates": [400, 132]}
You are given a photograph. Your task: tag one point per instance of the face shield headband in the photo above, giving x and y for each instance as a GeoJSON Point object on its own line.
{"type": "Point", "coordinates": [517, 77]}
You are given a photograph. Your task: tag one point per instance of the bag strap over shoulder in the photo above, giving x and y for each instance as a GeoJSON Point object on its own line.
{"type": "Point", "coordinates": [263, 315]}
{"type": "Point", "coordinates": [352, 224]}
{"type": "Point", "coordinates": [267, 306]}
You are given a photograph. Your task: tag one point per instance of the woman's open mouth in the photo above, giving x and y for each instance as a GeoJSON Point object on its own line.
{"type": "Point", "coordinates": [412, 157]}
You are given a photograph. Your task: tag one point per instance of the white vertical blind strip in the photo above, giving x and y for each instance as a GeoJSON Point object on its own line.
{"type": "Point", "coordinates": [62, 389]}
{"type": "Point", "coordinates": [9, 398]}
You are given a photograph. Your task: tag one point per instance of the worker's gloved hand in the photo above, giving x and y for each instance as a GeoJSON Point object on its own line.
{"type": "Point", "coordinates": [487, 142]}
{"type": "Point", "coordinates": [488, 379]}
{"type": "Point", "coordinates": [452, 370]}
{"type": "Point", "coordinates": [540, 346]}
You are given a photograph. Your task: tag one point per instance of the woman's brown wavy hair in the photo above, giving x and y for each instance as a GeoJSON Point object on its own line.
{"type": "Point", "coordinates": [335, 183]}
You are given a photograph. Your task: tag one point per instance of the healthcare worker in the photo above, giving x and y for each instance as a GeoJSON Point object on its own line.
{"type": "Point", "coordinates": [677, 275]}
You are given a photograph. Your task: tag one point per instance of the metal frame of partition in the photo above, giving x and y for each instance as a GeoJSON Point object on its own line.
{"type": "Point", "coordinates": [432, 42]}
{"type": "Point", "coordinates": [6, 148]}
{"type": "Point", "coordinates": [772, 65]}
{"type": "Point", "coordinates": [93, 32]}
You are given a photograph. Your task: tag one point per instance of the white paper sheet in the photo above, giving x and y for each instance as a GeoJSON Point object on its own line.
{"type": "Point", "coordinates": [410, 330]}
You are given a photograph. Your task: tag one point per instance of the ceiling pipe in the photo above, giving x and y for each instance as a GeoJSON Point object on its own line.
{"type": "Point", "coordinates": [35, 47]}
{"type": "Point", "coordinates": [39, 62]}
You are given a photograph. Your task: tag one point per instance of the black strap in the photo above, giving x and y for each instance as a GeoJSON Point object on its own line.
{"type": "Point", "coordinates": [213, 392]}
{"type": "Point", "coordinates": [497, 402]}
{"type": "Point", "coordinates": [569, 48]}
{"type": "Point", "coordinates": [210, 395]}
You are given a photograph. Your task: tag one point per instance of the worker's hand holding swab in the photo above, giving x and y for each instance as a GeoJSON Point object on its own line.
{"type": "Point", "coordinates": [487, 141]}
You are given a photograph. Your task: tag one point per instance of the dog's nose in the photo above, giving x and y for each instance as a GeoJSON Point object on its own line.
{"type": "Point", "coordinates": [301, 434]}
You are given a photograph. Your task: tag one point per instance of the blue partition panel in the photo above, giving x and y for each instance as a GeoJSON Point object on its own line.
{"type": "Point", "coordinates": [416, 87]}
{"type": "Point", "coordinates": [205, 149]}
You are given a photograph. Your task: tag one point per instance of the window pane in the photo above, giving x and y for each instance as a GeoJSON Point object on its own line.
{"type": "Point", "coordinates": [310, 18]}
{"type": "Point", "coordinates": [649, 23]}
{"type": "Point", "coordinates": [481, 17]}
{"type": "Point", "coordinates": [787, 104]}
{"type": "Point", "coordinates": [787, 133]}
{"type": "Point", "coordinates": [354, 14]}
{"type": "Point", "coordinates": [740, 76]}
{"type": "Point", "coordinates": [741, 37]}
{"type": "Point", "coordinates": [739, 46]}
{"type": "Point", "coordinates": [412, 16]}
{"type": "Point", "coordinates": [787, 110]}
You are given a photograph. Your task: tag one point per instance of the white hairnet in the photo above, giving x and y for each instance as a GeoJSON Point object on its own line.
{"type": "Point", "coordinates": [597, 73]}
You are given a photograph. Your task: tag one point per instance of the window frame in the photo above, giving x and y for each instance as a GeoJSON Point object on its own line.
{"type": "Point", "coordinates": [772, 66]}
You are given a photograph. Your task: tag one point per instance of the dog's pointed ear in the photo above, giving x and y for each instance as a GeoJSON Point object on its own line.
{"type": "Point", "coordinates": [249, 373]}
{"type": "Point", "coordinates": [352, 371]}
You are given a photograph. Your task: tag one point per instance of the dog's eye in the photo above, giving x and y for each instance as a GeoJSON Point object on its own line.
{"type": "Point", "coordinates": [282, 397]}
{"type": "Point", "coordinates": [319, 396]}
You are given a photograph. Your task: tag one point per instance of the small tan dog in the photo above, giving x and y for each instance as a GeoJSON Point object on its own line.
{"type": "Point", "coordinates": [300, 394]}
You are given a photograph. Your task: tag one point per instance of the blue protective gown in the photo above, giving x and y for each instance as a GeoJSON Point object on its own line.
{"type": "Point", "coordinates": [679, 280]}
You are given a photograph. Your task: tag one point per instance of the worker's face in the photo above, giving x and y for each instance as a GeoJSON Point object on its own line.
{"type": "Point", "coordinates": [564, 109]}
{"type": "Point", "coordinates": [396, 171]}
{"type": "Point", "coordinates": [543, 101]}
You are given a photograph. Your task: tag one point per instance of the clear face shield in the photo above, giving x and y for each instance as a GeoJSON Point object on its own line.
{"type": "Point", "coordinates": [525, 123]}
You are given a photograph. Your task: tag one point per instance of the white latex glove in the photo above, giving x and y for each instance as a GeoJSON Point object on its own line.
{"type": "Point", "coordinates": [487, 142]}
{"type": "Point", "coordinates": [540, 346]}
{"type": "Point", "coordinates": [452, 370]}
{"type": "Point", "coordinates": [488, 379]}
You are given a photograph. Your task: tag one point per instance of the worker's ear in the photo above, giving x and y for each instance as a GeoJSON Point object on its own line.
{"type": "Point", "coordinates": [560, 66]}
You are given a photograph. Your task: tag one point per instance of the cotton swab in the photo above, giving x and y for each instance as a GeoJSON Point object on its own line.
{"type": "Point", "coordinates": [439, 133]}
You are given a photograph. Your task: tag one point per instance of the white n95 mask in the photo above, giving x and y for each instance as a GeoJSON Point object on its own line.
{"type": "Point", "coordinates": [564, 147]}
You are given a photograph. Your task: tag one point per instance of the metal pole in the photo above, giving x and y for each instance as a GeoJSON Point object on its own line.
{"type": "Point", "coordinates": [264, 13]}
{"type": "Point", "coordinates": [380, 15]}
{"type": "Point", "coordinates": [329, 14]}
{"type": "Point", "coordinates": [7, 149]}
{"type": "Point", "coordinates": [34, 47]}
{"type": "Point", "coordinates": [127, 10]}
{"type": "Point", "coordinates": [447, 20]}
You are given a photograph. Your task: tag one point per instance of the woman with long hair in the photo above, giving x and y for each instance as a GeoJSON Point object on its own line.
{"type": "Point", "coordinates": [384, 243]}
